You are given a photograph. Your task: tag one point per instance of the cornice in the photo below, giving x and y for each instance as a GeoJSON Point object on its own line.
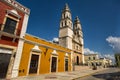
{"type": "Point", "coordinates": [17, 5]}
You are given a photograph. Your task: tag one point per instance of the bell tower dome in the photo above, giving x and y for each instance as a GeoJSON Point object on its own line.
{"type": "Point", "coordinates": [66, 19]}
{"type": "Point", "coordinates": [77, 27]}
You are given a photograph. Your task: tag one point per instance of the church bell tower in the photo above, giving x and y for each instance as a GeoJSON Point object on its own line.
{"type": "Point", "coordinates": [66, 28]}
{"type": "Point", "coordinates": [78, 39]}
{"type": "Point", "coordinates": [78, 30]}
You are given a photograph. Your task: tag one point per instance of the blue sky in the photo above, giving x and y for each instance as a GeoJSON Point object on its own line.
{"type": "Point", "coordinates": [100, 19]}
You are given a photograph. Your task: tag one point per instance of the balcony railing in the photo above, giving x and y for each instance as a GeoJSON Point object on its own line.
{"type": "Point", "coordinates": [8, 32]}
{"type": "Point", "coordinates": [16, 31]}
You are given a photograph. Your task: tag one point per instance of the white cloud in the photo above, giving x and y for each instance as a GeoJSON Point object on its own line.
{"type": "Point", "coordinates": [114, 42]}
{"type": "Point", "coordinates": [109, 56]}
{"type": "Point", "coordinates": [88, 51]}
{"type": "Point", "coordinates": [55, 39]}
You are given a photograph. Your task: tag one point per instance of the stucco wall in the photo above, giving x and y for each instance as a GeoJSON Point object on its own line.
{"type": "Point", "coordinates": [45, 59]}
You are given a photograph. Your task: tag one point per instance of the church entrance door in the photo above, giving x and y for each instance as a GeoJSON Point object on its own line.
{"type": "Point", "coordinates": [77, 60]}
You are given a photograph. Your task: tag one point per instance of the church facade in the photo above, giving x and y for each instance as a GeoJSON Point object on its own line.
{"type": "Point", "coordinates": [71, 36]}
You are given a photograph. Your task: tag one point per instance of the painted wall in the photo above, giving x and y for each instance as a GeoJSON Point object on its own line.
{"type": "Point", "coordinates": [17, 12]}
{"type": "Point", "coordinates": [45, 60]}
{"type": "Point", "coordinates": [3, 12]}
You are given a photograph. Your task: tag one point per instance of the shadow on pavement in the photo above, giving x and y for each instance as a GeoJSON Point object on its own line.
{"type": "Point", "coordinates": [108, 76]}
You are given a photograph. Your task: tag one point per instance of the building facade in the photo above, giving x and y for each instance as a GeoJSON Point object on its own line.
{"type": "Point", "coordinates": [40, 56]}
{"type": "Point", "coordinates": [13, 24]}
{"type": "Point", "coordinates": [92, 60]}
{"type": "Point", "coordinates": [90, 57]}
{"type": "Point", "coordinates": [71, 36]}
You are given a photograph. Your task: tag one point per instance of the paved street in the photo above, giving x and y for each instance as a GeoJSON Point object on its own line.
{"type": "Point", "coordinates": [108, 74]}
{"type": "Point", "coordinates": [62, 75]}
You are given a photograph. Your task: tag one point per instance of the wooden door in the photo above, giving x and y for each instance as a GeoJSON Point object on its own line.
{"type": "Point", "coordinates": [54, 64]}
{"type": "Point", "coordinates": [34, 64]}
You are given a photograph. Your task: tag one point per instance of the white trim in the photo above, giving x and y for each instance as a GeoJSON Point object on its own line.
{"type": "Point", "coordinates": [36, 53]}
{"type": "Point", "coordinates": [39, 64]}
{"type": "Point", "coordinates": [66, 57]}
{"type": "Point", "coordinates": [36, 49]}
{"type": "Point", "coordinates": [10, 65]}
{"type": "Point", "coordinates": [83, 56]}
{"type": "Point", "coordinates": [17, 6]}
{"type": "Point", "coordinates": [54, 55]}
{"type": "Point", "coordinates": [11, 17]}
{"type": "Point", "coordinates": [20, 48]}
{"type": "Point", "coordinates": [72, 60]}
{"type": "Point", "coordinates": [24, 26]}
{"type": "Point", "coordinates": [6, 51]}
{"type": "Point", "coordinates": [17, 59]}
{"type": "Point", "coordinates": [29, 63]}
{"type": "Point", "coordinates": [83, 59]}
{"type": "Point", "coordinates": [7, 46]}
{"type": "Point", "coordinates": [14, 12]}
{"type": "Point", "coordinates": [15, 19]}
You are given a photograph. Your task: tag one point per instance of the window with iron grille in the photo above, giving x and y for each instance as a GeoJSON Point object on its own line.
{"type": "Point", "coordinates": [10, 26]}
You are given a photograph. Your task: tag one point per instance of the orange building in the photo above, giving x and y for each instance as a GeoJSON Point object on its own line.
{"type": "Point", "coordinates": [40, 57]}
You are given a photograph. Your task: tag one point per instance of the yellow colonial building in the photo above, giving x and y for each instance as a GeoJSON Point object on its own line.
{"type": "Point", "coordinates": [40, 57]}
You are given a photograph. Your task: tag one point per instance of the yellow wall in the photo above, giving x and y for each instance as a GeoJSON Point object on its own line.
{"type": "Point", "coordinates": [45, 60]}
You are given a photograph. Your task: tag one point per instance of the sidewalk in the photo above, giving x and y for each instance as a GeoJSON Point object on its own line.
{"type": "Point", "coordinates": [61, 75]}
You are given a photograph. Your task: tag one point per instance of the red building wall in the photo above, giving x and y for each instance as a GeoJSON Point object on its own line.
{"type": "Point", "coordinates": [3, 11]}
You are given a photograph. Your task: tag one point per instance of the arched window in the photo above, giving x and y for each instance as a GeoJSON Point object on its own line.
{"type": "Point", "coordinates": [65, 23]}
{"type": "Point", "coordinates": [62, 24]}
{"type": "Point", "coordinates": [64, 15]}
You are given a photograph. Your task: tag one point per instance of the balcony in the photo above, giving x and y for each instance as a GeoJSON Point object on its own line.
{"type": "Point", "coordinates": [8, 33]}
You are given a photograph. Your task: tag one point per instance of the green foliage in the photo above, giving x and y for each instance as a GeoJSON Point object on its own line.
{"type": "Point", "coordinates": [117, 59]}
